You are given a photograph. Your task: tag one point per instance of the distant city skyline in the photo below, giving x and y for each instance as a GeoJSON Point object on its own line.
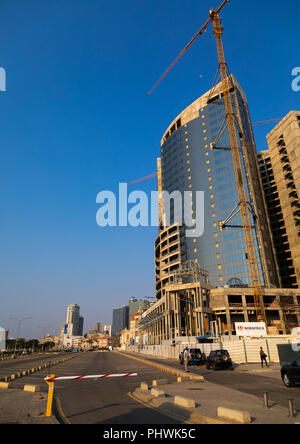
{"type": "Point", "coordinates": [76, 120]}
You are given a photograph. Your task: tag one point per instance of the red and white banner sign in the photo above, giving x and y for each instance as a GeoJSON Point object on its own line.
{"type": "Point", "coordinates": [251, 329]}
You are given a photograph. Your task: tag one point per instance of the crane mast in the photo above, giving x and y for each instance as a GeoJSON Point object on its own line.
{"type": "Point", "coordinates": [243, 200]}
{"type": "Point", "coordinates": [237, 162]}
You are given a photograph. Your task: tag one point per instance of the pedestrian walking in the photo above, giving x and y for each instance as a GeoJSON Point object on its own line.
{"type": "Point", "coordinates": [186, 357]}
{"type": "Point", "coordinates": [263, 358]}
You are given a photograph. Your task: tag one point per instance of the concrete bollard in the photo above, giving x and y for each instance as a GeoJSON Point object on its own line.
{"type": "Point", "coordinates": [234, 415]}
{"type": "Point", "coordinates": [158, 382]}
{"type": "Point", "coordinates": [157, 393]}
{"type": "Point", "coordinates": [5, 385]}
{"type": "Point", "coordinates": [185, 402]}
{"type": "Point", "coordinates": [31, 388]}
{"type": "Point", "coordinates": [182, 378]}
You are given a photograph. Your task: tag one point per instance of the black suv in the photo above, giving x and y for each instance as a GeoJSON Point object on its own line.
{"type": "Point", "coordinates": [291, 373]}
{"type": "Point", "coordinates": [199, 357]}
{"type": "Point", "coordinates": [219, 360]}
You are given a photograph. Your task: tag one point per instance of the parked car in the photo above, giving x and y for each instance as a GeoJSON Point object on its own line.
{"type": "Point", "coordinates": [200, 357]}
{"type": "Point", "coordinates": [219, 360]}
{"type": "Point", "coordinates": [291, 373]}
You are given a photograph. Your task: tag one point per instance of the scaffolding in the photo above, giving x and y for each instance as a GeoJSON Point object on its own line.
{"type": "Point", "coordinates": [189, 273]}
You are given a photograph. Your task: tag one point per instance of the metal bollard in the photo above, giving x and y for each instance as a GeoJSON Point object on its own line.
{"type": "Point", "coordinates": [266, 399]}
{"type": "Point", "coordinates": [50, 396]}
{"type": "Point", "coordinates": [291, 408]}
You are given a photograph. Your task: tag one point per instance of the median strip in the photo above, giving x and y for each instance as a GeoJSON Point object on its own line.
{"type": "Point", "coordinates": [163, 368]}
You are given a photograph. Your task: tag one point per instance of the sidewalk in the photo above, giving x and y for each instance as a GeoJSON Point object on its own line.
{"type": "Point", "coordinates": [19, 407]}
{"type": "Point", "coordinates": [208, 398]}
{"type": "Point", "coordinates": [273, 371]}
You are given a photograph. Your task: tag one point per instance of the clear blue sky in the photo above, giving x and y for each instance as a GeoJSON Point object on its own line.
{"type": "Point", "coordinates": [75, 120]}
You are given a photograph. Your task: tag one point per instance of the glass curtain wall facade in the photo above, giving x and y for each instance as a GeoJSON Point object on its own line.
{"type": "Point", "coordinates": [189, 164]}
{"type": "Point", "coordinates": [120, 319]}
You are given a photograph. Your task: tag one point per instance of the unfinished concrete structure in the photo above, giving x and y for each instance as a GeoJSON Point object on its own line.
{"type": "Point", "coordinates": [231, 305]}
{"type": "Point", "coordinates": [278, 224]}
{"type": "Point", "coordinates": [189, 309]}
{"type": "Point", "coordinates": [184, 308]}
{"type": "Point", "coordinates": [284, 152]}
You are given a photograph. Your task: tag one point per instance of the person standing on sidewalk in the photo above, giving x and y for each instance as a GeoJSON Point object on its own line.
{"type": "Point", "coordinates": [186, 357]}
{"type": "Point", "coordinates": [263, 358]}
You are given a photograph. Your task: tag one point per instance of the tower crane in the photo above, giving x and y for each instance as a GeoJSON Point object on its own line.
{"type": "Point", "coordinates": [214, 18]}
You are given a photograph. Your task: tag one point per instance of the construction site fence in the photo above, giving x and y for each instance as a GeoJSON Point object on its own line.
{"type": "Point", "coordinates": [241, 351]}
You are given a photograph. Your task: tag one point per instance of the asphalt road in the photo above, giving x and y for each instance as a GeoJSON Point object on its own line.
{"type": "Point", "coordinates": [104, 401]}
{"type": "Point", "coordinates": [254, 384]}
{"type": "Point", "coordinates": [12, 366]}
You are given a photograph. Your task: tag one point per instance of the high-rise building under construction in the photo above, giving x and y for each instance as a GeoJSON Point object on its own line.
{"type": "Point", "coordinates": [189, 162]}
{"type": "Point", "coordinates": [280, 171]}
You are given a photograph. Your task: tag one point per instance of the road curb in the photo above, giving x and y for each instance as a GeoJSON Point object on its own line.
{"type": "Point", "coordinates": [58, 412]}
{"type": "Point", "coordinates": [163, 368]}
{"type": "Point", "coordinates": [20, 374]}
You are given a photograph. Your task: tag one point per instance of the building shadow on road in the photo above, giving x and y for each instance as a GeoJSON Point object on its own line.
{"type": "Point", "coordinates": [93, 410]}
{"type": "Point", "coordinates": [141, 416]}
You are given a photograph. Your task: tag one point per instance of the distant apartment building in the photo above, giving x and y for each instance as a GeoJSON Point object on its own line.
{"type": "Point", "coordinates": [99, 328]}
{"type": "Point", "coordinates": [107, 329]}
{"type": "Point", "coordinates": [284, 153]}
{"type": "Point", "coordinates": [74, 322]}
{"type": "Point", "coordinates": [120, 319]}
{"type": "Point", "coordinates": [136, 304]}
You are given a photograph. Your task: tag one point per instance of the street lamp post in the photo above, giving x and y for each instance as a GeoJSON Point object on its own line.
{"type": "Point", "coordinates": [18, 330]}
